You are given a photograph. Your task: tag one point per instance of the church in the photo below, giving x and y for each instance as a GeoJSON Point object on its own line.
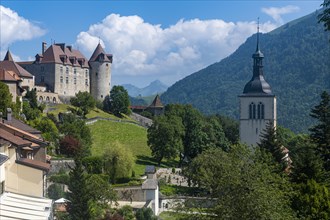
{"type": "Point", "coordinates": [257, 106]}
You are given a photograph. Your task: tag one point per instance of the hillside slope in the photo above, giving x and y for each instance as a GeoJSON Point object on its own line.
{"type": "Point", "coordinates": [296, 65]}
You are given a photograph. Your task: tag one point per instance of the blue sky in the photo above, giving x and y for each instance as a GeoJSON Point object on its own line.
{"type": "Point", "coordinates": [165, 40]}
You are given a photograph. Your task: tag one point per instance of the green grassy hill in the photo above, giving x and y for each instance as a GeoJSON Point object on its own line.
{"type": "Point", "coordinates": [133, 137]}
{"type": "Point", "coordinates": [106, 133]}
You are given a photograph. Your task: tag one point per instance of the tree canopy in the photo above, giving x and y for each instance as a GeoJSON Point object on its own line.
{"type": "Point", "coordinates": [84, 101]}
{"type": "Point", "coordinates": [119, 101]}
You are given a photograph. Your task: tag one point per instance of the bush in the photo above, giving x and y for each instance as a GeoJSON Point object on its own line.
{"type": "Point", "coordinates": [55, 191]}
{"type": "Point", "coordinates": [93, 164]}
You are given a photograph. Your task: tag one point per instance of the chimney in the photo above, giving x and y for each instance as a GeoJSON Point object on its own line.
{"type": "Point", "coordinates": [8, 114]}
{"type": "Point", "coordinates": [44, 47]}
{"type": "Point", "coordinates": [69, 47]}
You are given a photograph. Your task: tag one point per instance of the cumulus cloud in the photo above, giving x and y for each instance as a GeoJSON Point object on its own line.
{"type": "Point", "coordinates": [143, 51]}
{"type": "Point", "coordinates": [15, 28]}
{"type": "Point", "coordinates": [276, 13]}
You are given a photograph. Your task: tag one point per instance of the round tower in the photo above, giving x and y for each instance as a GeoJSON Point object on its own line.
{"type": "Point", "coordinates": [100, 73]}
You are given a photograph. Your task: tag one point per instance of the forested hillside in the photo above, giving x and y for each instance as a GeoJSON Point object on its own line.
{"type": "Point", "coordinates": [296, 65]}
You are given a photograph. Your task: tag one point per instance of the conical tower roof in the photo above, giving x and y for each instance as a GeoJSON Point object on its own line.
{"type": "Point", "coordinates": [99, 51]}
{"type": "Point", "coordinates": [8, 56]}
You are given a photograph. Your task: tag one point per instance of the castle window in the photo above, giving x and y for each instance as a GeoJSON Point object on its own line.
{"type": "Point", "coordinates": [61, 79]}
{"type": "Point", "coordinates": [86, 73]}
{"type": "Point", "coordinates": [42, 69]}
{"type": "Point", "coordinates": [86, 82]}
{"type": "Point", "coordinates": [67, 70]}
{"type": "Point", "coordinates": [42, 79]}
{"type": "Point", "coordinates": [75, 80]}
{"type": "Point", "coordinates": [252, 111]}
{"type": "Point", "coordinates": [261, 111]}
{"type": "Point", "coordinates": [75, 71]}
{"type": "Point", "coordinates": [67, 80]}
{"type": "Point", "coordinates": [61, 69]}
{"type": "Point", "coordinates": [96, 74]}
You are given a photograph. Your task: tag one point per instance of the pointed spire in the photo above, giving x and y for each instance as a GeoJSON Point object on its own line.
{"type": "Point", "coordinates": [8, 56]}
{"type": "Point", "coordinates": [258, 36]}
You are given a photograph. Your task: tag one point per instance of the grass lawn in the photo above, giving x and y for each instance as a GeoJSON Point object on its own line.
{"type": "Point", "coordinates": [173, 216]}
{"type": "Point", "coordinates": [130, 136]}
{"type": "Point", "coordinates": [93, 113]}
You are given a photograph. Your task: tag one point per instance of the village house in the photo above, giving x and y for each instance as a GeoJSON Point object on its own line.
{"type": "Point", "coordinates": [23, 169]}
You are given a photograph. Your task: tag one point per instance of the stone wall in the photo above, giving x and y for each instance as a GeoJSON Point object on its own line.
{"type": "Point", "coordinates": [57, 165]}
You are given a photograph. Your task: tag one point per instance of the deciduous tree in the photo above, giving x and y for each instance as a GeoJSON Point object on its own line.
{"type": "Point", "coordinates": [119, 101]}
{"type": "Point", "coordinates": [165, 137]}
{"type": "Point", "coordinates": [83, 101]}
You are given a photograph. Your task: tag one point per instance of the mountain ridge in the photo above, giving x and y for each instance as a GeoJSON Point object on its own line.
{"type": "Point", "coordinates": [155, 87]}
{"type": "Point", "coordinates": [296, 65]}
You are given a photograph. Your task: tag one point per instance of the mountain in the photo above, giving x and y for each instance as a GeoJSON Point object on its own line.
{"type": "Point", "coordinates": [296, 65]}
{"type": "Point", "coordinates": [155, 87]}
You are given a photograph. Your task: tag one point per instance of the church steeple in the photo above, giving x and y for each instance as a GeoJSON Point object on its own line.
{"type": "Point", "coordinates": [257, 84]}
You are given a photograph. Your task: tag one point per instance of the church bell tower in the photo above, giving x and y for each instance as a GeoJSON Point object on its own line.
{"type": "Point", "coordinates": [257, 103]}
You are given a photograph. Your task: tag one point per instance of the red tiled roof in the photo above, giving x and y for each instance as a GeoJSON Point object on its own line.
{"type": "Point", "coordinates": [8, 76]}
{"type": "Point", "coordinates": [97, 52]}
{"type": "Point", "coordinates": [34, 164]}
{"type": "Point", "coordinates": [10, 65]}
{"type": "Point", "coordinates": [22, 126]}
{"type": "Point", "coordinates": [54, 53]}
{"type": "Point", "coordinates": [16, 140]}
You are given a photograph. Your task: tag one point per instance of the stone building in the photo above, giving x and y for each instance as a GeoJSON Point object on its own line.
{"type": "Point", "coordinates": [257, 103]}
{"type": "Point", "coordinates": [15, 77]}
{"type": "Point", "coordinates": [66, 71]}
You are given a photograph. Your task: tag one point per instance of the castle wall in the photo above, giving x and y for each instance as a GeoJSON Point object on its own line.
{"type": "Point", "coordinates": [100, 75]}
{"type": "Point", "coordinates": [250, 129]}
{"type": "Point", "coordinates": [65, 80]}
{"type": "Point", "coordinates": [69, 80]}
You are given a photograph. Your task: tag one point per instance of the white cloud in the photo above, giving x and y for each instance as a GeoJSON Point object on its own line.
{"type": "Point", "coordinates": [15, 28]}
{"type": "Point", "coordinates": [143, 51]}
{"type": "Point", "coordinates": [276, 13]}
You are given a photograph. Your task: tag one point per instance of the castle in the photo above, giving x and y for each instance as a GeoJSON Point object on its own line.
{"type": "Point", "coordinates": [60, 71]}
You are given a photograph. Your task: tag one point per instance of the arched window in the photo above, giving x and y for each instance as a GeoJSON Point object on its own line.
{"type": "Point", "coordinates": [47, 99]}
{"type": "Point", "coordinates": [252, 111]}
{"type": "Point", "coordinates": [40, 99]}
{"type": "Point", "coordinates": [261, 111]}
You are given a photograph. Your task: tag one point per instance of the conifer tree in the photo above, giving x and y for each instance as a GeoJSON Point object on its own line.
{"type": "Point", "coordinates": [269, 142]}
{"type": "Point", "coordinates": [320, 133]}
{"type": "Point", "coordinates": [78, 195]}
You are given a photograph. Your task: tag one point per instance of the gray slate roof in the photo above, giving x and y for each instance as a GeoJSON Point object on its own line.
{"type": "Point", "coordinates": [150, 184]}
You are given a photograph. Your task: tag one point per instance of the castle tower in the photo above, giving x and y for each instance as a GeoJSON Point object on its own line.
{"type": "Point", "coordinates": [100, 73]}
{"type": "Point", "coordinates": [257, 103]}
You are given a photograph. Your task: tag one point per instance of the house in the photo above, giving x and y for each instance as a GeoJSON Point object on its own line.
{"type": "Point", "coordinates": [26, 167]}
{"type": "Point", "coordinates": [14, 83]}
{"type": "Point", "coordinates": [23, 170]}
{"type": "Point", "coordinates": [26, 79]}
